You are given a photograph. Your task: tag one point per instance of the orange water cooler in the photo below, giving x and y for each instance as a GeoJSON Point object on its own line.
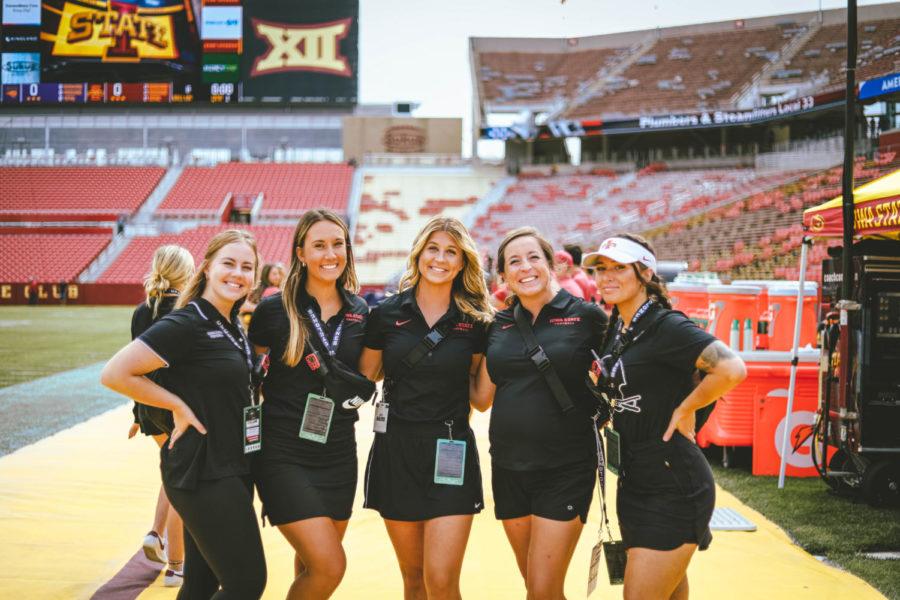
{"type": "Point", "coordinates": [782, 306]}
{"type": "Point", "coordinates": [730, 303]}
{"type": "Point", "coordinates": [692, 299]}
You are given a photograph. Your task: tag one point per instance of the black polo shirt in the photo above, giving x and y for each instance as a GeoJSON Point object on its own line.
{"type": "Point", "coordinates": [437, 388]}
{"type": "Point", "coordinates": [210, 375]}
{"type": "Point", "coordinates": [655, 375]}
{"type": "Point", "coordinates": [528, 429]}
{"type": "Point", "coordinates": [285, 388]}
{"type": "Point", "coordinates": [141, 320]}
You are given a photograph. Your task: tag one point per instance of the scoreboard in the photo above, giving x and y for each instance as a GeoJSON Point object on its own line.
{"type": "Point", "coordinates": [116, 52]}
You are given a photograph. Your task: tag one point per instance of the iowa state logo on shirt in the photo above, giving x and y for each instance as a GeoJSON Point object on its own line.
{"type": "Point", "coordinates": [353, 317]}
{"type": "Point", "coordinates": [564, 321]}
{"type": "Point", "coordinates": [463, 327]}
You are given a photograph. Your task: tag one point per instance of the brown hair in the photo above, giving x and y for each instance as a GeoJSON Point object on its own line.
{"type": "Point", "coordinates": [469, 291]}
{"type": "Point", "coordinates": [546, 250]}
{"type": "Point", "coordinates": [172, 268]}
{"type": "Point", "coordinates": [264, 281]}
{"type": "Point", "coordinates": [296, 280]}
{"type": "Point", "coordinates": [197, 284]}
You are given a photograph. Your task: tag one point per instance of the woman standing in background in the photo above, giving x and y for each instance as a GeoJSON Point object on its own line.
{"type": "Point", "coordinates": [170, 271]}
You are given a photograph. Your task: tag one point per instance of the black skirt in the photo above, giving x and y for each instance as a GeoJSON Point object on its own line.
{"type": "Point", "coordinates": [666, 495]}
{"type": "Point", "coordinates": [292, 492]}
{"type": "Point", "coordinates": [399, 480]}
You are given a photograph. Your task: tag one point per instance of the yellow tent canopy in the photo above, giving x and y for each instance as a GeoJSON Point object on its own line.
{"type": "Point", "coordinates": [876, 211]}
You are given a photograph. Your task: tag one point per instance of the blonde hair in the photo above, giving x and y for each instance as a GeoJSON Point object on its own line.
{"type": "Point", "coordinates": [469, 291]}
{"type": "Point", "coordinates": [296, 280]}
{"type": "Point", "coordinates": [171, 268]}
{"type": "Point", "coordinates": [197, 285]}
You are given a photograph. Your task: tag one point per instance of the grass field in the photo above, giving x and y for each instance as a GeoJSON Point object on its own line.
{"type": "Point", "coordinates": [36, 341]}
{"type": "Point", "coordinates": [825, 524]}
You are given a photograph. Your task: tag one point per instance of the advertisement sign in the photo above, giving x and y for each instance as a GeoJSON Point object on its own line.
{"type": "Point", "coordinates": [301, 51]}
{"type": "Point", "coordinates": [221, 23]}
{"type": "Point", "coordinates": [400, 135]}
{"type": "Point", "coordinates": [20, 67]}
{"type": "Point", "coordinates": [21, 12]}
{"type": "Point", "coordinates": [880, 86]}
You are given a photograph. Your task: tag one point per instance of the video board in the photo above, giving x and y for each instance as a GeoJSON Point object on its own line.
{"type": "Point", "coordinates": [179, 51]}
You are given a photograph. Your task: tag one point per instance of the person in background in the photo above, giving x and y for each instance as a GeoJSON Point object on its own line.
{"type": "Point", "coordinates": [584, 279]}
{"type": "Point", "coordinates": [210, 390]}
{"type": "Point", "coordinates": [170, 271]}
{"type": "Point", "coordinates": [32, 292]}
{"type": "Point", "coordinates": [562, 268]}
{"type": "Point", "coordinates": [666, 491]}
{"type": "Point", "coordinates": [269, 283]}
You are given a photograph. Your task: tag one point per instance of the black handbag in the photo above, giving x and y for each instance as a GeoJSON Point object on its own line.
{"type": "Point", "coordinates": [342, 384]}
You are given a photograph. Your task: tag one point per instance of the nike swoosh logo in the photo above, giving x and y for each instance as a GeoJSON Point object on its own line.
{"type": "Point", "coordinates": [353, 403]}
{"type": "Point", "coordinates": [507, 326]}
{"type": "Point", "coordinates": [402, 323]}
{"type": "Point", "coordinates": [477, 505]}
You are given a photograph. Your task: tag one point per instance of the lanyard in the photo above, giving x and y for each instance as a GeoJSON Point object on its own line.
{"type": "Point", "coordinates": [618, 347]}
{"type": "Point", "coordinates": [245, 351]}
{"type": "Point", "coordinates": [330, 347]}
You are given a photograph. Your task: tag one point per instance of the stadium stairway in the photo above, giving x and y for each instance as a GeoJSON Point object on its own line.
{"type": "Point", "coordinates": [787, 54]}
{"type": "Point", "coordinates": [148, 208]}
{"type": "Point", "coordinates": [75, 506]}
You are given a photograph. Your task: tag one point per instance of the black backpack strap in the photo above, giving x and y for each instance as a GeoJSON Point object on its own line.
{"type": "Point", "coordinates": [428, 344]}
{"type": "Point", "coordinates": [541, 360]}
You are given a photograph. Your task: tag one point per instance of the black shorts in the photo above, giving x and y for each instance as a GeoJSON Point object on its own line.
{"type": "Point", "coordinates": [666, 495]}
{"type": "Point", "coordinates": [292, 492]}
{"type": "Point", "coordinates": [400, 474]}
{"type": "Point", "coordinates": [559, 493]}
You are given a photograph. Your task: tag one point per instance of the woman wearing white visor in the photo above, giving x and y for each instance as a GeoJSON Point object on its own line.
{"type": "Point", "coordinates": [666, 492]}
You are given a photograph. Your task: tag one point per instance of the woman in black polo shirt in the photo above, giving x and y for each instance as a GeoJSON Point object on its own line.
{"type": "Point", "coordinates": [543, 452]}
{"type": "Point", "coordinates": [170, 271]}
{"type": "Point", "coordinates": [307, 478]}
{"type": "Point", "coordinates": [206, 464]}
{"type": "Point", "coordinates": [423, 475]}
{"type": "Point", "coordinates": [666, 492]}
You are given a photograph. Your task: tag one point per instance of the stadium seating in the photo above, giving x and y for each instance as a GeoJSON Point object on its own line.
{"type": "Point", "coordinates": [74, 193]}
{"type": "Point", "coordinates": [47, 257]}
{"type": "Point", "coordinates": [573, 208]}
{"type": "Point", "coordinates": [759, 237]}
{"type": "Point", "coordinates": [535, 76]}
{"type": "Point", "coordinates": [399, 203]}
{"type": "Point", "coordinates": [688, 72]}
{"type": "Point", "coordinates": [273, 241]}
{"type": "Point", "coordinates": [823, 59]}
{"type": "Point", "coordinates": [288, 189]}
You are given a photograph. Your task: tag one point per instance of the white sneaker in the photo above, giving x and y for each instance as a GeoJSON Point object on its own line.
{"type": "Point", "coordinates": [154, 549]}
{"type": "Point", "coordinates": [173, 578]}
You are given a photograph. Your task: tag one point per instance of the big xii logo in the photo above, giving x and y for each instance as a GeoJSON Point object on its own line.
{"type": "Point", "coordinates": [118, 32]}
{"type": "Point", "coordinates": [302, 48]}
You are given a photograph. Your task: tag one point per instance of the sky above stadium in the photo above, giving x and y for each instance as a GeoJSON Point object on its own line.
{"type": "Point", "coordinates": [418, 51]}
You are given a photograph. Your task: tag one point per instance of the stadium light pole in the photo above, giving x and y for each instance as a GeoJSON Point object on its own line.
{"type": "Point", "coordinates": [849, 135]}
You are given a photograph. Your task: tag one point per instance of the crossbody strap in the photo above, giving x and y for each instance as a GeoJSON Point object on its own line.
{"type": "Point", "coordinates": [541, 360]}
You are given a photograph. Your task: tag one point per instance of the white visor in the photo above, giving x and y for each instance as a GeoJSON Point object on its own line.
{"type": "Point", "coordinates": [621, 250]}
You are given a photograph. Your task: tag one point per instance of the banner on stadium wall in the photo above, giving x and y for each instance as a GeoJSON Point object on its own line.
{"type": "Point", "coordinates": [699, 120]}
{"type": "Point", "coordinates": [301, 51]}
{"type": "Point", "coordinates": [880, 86]}
{"type": "Point", "coordinates": [400, 135]}
{"type": "Point", "coordinates": [74, 293]}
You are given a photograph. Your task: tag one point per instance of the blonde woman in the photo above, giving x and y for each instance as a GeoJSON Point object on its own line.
{"type": "Point", "coordinates": [170, 271]}
{"type": "Point", "coordinates": [423, 475]}
{"type": "Point", "coordinates": [306, 476]}
{"type": "Point", "coordinates": [207, 387]}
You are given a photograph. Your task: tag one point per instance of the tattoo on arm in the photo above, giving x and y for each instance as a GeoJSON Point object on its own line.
{"type": "Point", "coordinates": [712, 355]}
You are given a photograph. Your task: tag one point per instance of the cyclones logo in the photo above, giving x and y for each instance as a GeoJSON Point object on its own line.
{"type": "Point", "coordinates": [404, 138]}
{"type": "Point", "coordinates": [302, 48]}
{"type": "Point", "coordinates": [118, 32]}
{"type": "Point", "coordinates": [817, 223]}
